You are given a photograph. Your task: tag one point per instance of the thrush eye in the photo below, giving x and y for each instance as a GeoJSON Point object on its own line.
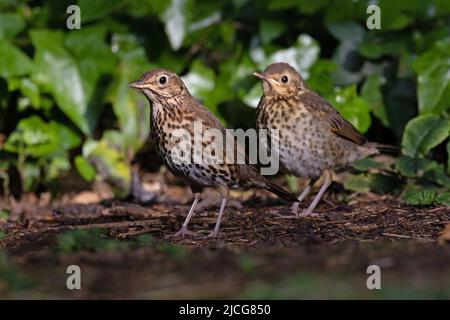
{"type": "Point", "coordinates": [163, 80]}
{"type": "Point", "coordinates": [284, 79]}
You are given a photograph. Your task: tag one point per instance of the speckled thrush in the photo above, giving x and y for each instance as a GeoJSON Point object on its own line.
{"type": "Point", "coordinates": [314, 138]}
{"type": "Point", "coordinates": [173, 108]}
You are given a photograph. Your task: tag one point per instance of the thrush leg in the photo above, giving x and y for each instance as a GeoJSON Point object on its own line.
{"type": "Point", "coordinates": [294, 207]}
{"type": "Point", "coordinates": [184, 230]}
{"type": "Point", "coordinates": [327, 175]}
{"type": "Point", "coordinates": [215, 232]}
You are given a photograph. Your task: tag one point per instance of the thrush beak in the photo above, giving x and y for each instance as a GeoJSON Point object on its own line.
{"type": "Point", "coordinates": [260, 76]}
{"type": "Point", "coordinates": [137, 85]}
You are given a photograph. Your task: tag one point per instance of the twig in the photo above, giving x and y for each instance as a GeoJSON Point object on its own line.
{"type": "Point", "coordinates": [396, 235]}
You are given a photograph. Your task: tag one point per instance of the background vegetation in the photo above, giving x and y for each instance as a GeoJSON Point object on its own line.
{"type": "Point", "coordinates": [65, 104]}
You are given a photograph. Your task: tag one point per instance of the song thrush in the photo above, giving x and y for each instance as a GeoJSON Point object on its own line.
{"type": "Point", "coordinates": [174, 109]}
{"type": "Point", "coordinates": [313, 137]}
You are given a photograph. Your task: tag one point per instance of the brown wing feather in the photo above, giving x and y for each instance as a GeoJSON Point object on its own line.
{"type": "Point", "coordinates": [338, 125]}
{"type": "Point", "coordinates": [248, 172]}
{"type": "Point", "coordinates": [211, 120]}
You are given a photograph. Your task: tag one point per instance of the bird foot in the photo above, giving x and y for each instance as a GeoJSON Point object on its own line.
{"type": "Point", "coordinates": [295, 214]}
{"type": "Point", "coordinates": [213, 234]}
{"type": "Point", "coordinates": [307, 213]}
{"type": "Point", "coordinates": [183, 232]}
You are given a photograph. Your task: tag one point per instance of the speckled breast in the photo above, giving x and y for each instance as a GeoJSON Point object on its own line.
{"type": "Point", "coordinates": [305, 147]}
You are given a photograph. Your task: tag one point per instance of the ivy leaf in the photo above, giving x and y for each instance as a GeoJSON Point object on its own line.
{"type": "Point", "coordinates": [93, 10]}
{"type": "Point", "coordinates": [434, 79]}
{"type": "Point", "coordinates": [13, 61]}
{"type": "Point", "coordinates": [424, 133]}
{"type": "Point", "coordinates": [130, 106]}
{"type": "Point", "coordinates": [10, 24]}
{"type": "Point", "coordinates": [371, 93]}
{"type": "Point", "coordinates": [84, 168]}
{"type": "Point", "coordinates": [369, 163]}
{"type": "Point", "coordinates": [176, 22]}
{"type": "Point", "coordinates": [37, 138]}
{"type": "Point", "coordinates": [57, 71]}
{"type": "Point", "coordinates": [253, 96]}
{"type": "Point", "coordinates": [413, 167]}
{"type": "Point", "coordinates": [358, 183]}
{"type": "Point", "coordinates": [270, 29]}
{"type": "Point", "coordinates": [352, 107]}
{"type": "Point", "coordinates": [302, 55]}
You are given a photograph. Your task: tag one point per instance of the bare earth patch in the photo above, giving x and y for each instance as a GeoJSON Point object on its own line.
{"type": "Point", "coordinates": [258, 255]}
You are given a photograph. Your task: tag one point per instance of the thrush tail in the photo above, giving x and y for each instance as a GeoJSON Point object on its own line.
{"type": "Point", "coordinates": [384, 148]}
{"type": "Point", "coordinates": [280, 192]}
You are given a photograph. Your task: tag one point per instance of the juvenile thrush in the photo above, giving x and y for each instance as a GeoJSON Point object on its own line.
{"type": "Point", "coordinates": [313, 137]}
{"type": "Point", "coordinates": [174, 109]}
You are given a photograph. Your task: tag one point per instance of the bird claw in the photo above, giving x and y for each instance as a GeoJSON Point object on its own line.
{"type": "Point", "coordinates": [213, 234]}
{"type": "Point", "coordinates": [307, 213]}
{"type": "Point", "coordinates": [183, 232]}
{"type": "Point", "coordinates": [297, 215]}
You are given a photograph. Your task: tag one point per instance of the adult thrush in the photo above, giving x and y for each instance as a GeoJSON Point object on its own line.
{"type": "Point", "coordinates": [176, 119]}
{"type": "Point", "coordinates": [313, 137]}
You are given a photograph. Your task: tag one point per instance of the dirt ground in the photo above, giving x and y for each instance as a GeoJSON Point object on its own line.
{"type": "Point", "coordinates": [123, 250]}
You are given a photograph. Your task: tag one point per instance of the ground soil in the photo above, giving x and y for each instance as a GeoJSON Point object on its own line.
{"type": "Point", "coordinates": [257, 255]}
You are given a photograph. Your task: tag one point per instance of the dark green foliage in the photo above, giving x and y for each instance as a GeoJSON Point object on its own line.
{"type": "Point", "coordinates": [64, 100]}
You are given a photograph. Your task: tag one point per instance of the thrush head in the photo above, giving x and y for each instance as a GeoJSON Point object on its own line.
{"type": "Point", "coordinates": [159, 85]}
{"type": "Point", "coordinates": [280, 79]}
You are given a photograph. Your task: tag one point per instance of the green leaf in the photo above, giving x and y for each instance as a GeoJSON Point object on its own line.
{"type": "Point", "coordinates": [424, 133]}
{"type": "Point", "coordinates": [110, 164]}
{"type": "Point", "coordinates": [413, 167]}
{"type": "Point", "coordinates": [443, 198]}
{"type": "Point", "coordinates": [31, 174]}
{"type": "Point", "coordinates": [93, 10]}
{"type": "Point", "coordinates": [270, 29]}
{"type": "Point", "coordinates": [371, 93]}
{"type": "Point", "coordinates": [56, 70]}
{"type": "Point", "coordinates": [358, 183]}
{"type": "Point", "coordinates": [94, 59]}
{"type": "Point", "coordinates": [302, 55]}
{"type": "Point", "coordinates": [30, 90]}
{"type": "Point", "coordinates": [369, 163]}
{"type": "Point", "coordinates": [13, 61]}
{"type": "Point", "coordinates": [227, 32]}
{"type": "Point", "coordinates": [434, 78]}
{"type": "Point", "coordinates": [385, 183]}
{"type": "Point", "coordinates": [39, 139]}
{"type": "Point", "coordinates": [200, 82]}
{"type": "Point", "coordinates": [352, 107]}
{"type": "Point", "coordinates": [10, 24]}
{"type": "Point", "coordinates": [438, 176]}
{"type": "Point", "coordinates": [343, 31]}
{"type": "Point", "coordinates": [320, 79]}
{"type": "Point", "coordinates": [55, 166]}
{"type": "Point", "coordinates": [4, 215]}
{"type": "Point", "coordinates": [292, 183]}
{"type": "Point", "coordinates": [130, 106]}
{"type": "Point", "coordinates": [253, 96]}
{"type": "Point", "coordinates": [176, 22]}
{"type": "Point", "coordinates": [420, 197]}
{"type": "Point", "coordinates": [84, 168]}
